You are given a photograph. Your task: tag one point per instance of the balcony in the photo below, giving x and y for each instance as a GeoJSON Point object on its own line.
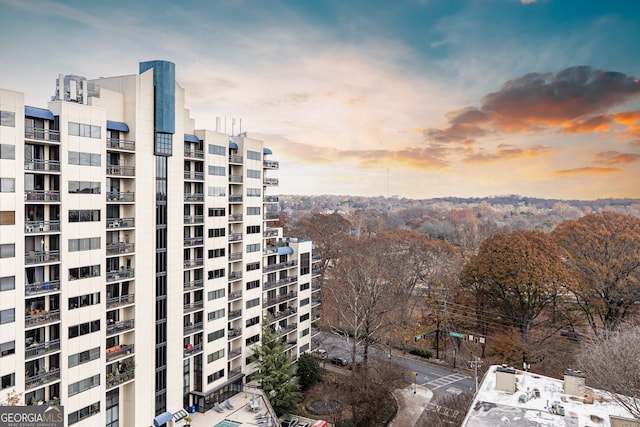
{"type": "Point", "coordinates": [271, 199]}
{"type": "Point", "coordinates": [315, 302]}
{"type": "Point", "coordinates": [235, 198]}
{"type": "Point", "coordinates": [272, 232]}
{"type": "Point", "coordinates": [235, 237]}
{"type": "Point", "coordinates": [119, 379]}
{"type": "Point", "coordinates": [194, 306]}
{"type": "Point", "coordinates": [36, 350]}
{"type": "Point", "coordinates": [121, 222]}
{"type": "Point", "coordinates": [232, 334]}
{"type": "Point", "coordinates": [279, 266]}
{"type": "Point", "coordinates": [235, 256]}
{"type": "Point", "coordinates": [119, 301]}
{"type": "Point", "coordinates": [41, 287]}
{"type": "Point", "coordinates": [121, 196]}
{"type": "Point", "coordinates": [271, 164]}
{"type": "Point", "coordinates": [279, 299]}
{"type": "Point", "coordinates": [193, 241]}
{"type": "Point", "coordinates": [235, 179]}
{"type": "Point", "coordinates": [194, 284]}
{"type": "Point", "coordinates": [121, 144]}
{"type": "Point", "coordinates": [120, 327]}
{"type": "Point", "coordinates": [38, 134]}
{"type": "Point", "coordinates": [42, 196]}
{"type": "Point", "coordinates": [235, 275]}
{"type": "Point", "coordinates": [118, 170]}
{"type": "Point", "coordinates": [315, 272]}
{"type": "Point", "coordinates": [290, 311]}
{"type": "Point", "coordinates": [271, 181]}
{"type": "Point", "coordinates": [235, 372]}
{"type": "Point", "coordinates": [284, 331]}
{"type": "Point", "coordinates": [194, 219]}
{"type": "Point", "coordinates": [191, 349]}
{"type": "Point", "coordinates": [235, 295]}
{"type": "Point", "coordinates": [42, 165]}
{"type": "Point", "coordinates": [42, 378]}
{"type": "Point", "coordinates": [235, 159]}
{"type": "Point", "coordinates": [193, 328]}
{"type": "Point", "coordinates": [235, 218]}
{"type": "Point", "coordinates": [41, 226]}
{"type": "Point", "coordinates": [118, 351]}
{"type": "Point", "coordinates": [194, 197]}
{"type": "Point", "coordinates": [41, 257]}
{"type": "Point", "coordinates": [196, 262]}
{"type": "Point", "coordinates": [193, 154]}
{"type": "Point", "coordinates": [193, 176]}
{"type": "Point", "coordinates": [280, 282]}
{"type": "Point", "coordinates": [120, 248]}
{"type": "Point", "coordinates": [41, 317]}
{"type": "Point", "coordinates": [122, 274]}
{"type": "Point", "coordinates": [235, 353]}
{"type": "Point", "coordinates": [270, 216]}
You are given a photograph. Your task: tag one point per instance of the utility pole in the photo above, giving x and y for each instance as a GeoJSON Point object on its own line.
{"type": "Point", "coordinates": [444, 327]}
{"type": "Point", "coordinates": [475, 364]}
{"type": "Point", "coordinates": [438, 340]}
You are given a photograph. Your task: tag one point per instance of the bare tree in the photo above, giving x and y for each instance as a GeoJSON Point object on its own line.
{"type": "Point", "coordinates": [611, 363]}
{"type": "Point", "coordinates": [12, 398]}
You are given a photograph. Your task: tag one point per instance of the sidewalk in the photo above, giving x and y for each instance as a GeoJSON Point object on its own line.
{"type": "Point", "coordinates": [410, 405]}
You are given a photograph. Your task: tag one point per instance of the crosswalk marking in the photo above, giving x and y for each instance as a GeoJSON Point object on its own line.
{"type": "Point", "coordinates": [446, 380]}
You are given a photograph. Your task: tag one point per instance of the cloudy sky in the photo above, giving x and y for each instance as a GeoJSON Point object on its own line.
{"type": "Point", "coordinates": [416, 98]}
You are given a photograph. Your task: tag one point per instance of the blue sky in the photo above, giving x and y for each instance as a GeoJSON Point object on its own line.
{"type": "Point", "coordinates": [423, 98]}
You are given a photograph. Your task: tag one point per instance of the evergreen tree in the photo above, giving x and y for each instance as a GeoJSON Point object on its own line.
{"type": "Point", "coordinates": [276, 372]}
{"type": "Point", "coordinates": [308, 371]}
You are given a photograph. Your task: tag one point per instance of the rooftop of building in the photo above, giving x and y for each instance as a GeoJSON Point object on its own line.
{"type": "Point", "coordinates": [540, 401]}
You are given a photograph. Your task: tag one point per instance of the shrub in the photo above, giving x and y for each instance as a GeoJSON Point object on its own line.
{"type": "Point", "coordinates": [422, 353]}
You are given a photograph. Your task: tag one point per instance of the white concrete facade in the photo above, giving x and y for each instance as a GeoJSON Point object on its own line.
{"type": "Point", "coordinates": [134, 282]}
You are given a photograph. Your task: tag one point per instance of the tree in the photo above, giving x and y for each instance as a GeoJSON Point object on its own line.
{"type": "Point", "coordinates": [519, 274]}
{"type": "Point", "coordinates": [601, 253]}
{"type": "Point", "coordinates": [308, 371]}
{"type": "Point", "coordinates": [276, 372]}
{"type": "Point", "coordinates": [611, 363]}
{"type": "Point", "coordinates": [12, 398]}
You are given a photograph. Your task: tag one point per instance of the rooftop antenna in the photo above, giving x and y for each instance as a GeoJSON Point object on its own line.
{"type": "Point", "coordinates": [233, 126]}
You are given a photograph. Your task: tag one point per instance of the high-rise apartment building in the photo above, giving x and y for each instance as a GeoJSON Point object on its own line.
{"type": "Point", "coordinates": [138, 254]}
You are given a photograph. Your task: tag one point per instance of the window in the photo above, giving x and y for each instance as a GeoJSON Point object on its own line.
{"type": "Point", "coordinates": [253, 321]}
{"type": "Point", "coordinates": [84, 300]}
{"type": "Point", "coordinates": [84, 272]}
{"type": "Point", "coordinates": [83, 385]}
{"type": "Point", "coordinates": [304, 348]}
{"type": "Point", "coordinates": [81, 129]}
{"type": "Point", "coordinates": [216, 253]}
{"type": "Point", "coordinates": [253, 266]}
{"type": "Point", "coordinates": [86, 244]}
{"type": "Point", "coordinates": [253, 284]}
{"type": "Point", "coordinates": [7, 283]}
{"type": "Point", "coordinates": [217, 170]}
{"type": "Point", "coordinates": [212, 336]}
{"type": "Point", "coordinates": [253, 303]}
{"type": "Point", "coordinates": [215, 274]}
{"type": "Point", "coordinates": [253, 192]}
{"type": "Point", "coordinates": [253, 229]}
{"type": "Point", "coordinates": [252, 340]}
{"type": "Point", "coordinates": [304, 286]}
{"type": "Point", "coordinates": [88, 215]}
{"type": "Point", "coordinates": [217, 212]}
{"type": "Point", "coordinates": [215, 376]}
{"type": "Point", "coordinates": [84, 159]}
{"type": "Point", "coordinates": [217, 191]}
{"type": "Point", "coordinates": [254, 247]}
{"type": "Point", "coordinates": [164, 144]}
{"type": "Point", "coordinates": [84, 329]}
{"type": "Point", "coordinates": [7, 185]}
{"type": "Point", "coordinates": [8, 250]}
{"type": "Point", "coordinates": [253, 210]}
{"type": "Point", "coordinates": [218, 293]}
{"type": "Point", "coordinates": [254, 155]}
{"type": "Point", "coordinates": [84, 187]}
{"type": "Point", "coordinates": [217, 232]}
{"type": "Point", "coordinates": [7, 118]}
{"type": "Point", "coordinates": [7, 348]}
{"type": "Point", "coordinates": [218, 150]}
{"type": "Point", "coordinates": [84, 413]}
{"type": "Point", "coordinates": [7, 217]}
{"type": "Point", "coordinates": [8, 381]}
{"type": "Point", "coordinates": [304, 302]}
{"type": "Point", "coordinates": [7, 151]}
{"type": "Point", "coordinates": [215, 356]}
{"type": "Point", "coordinates": [84, 357]}
{"type": "Point", "coordinates": [304, 332]}
{"type": "Point", "coordinates": [304, 317]}
{"type": "Point", "coordinates": [7, 316]}
{"type": "Point", "coordinates": [218, 314]}
{"type": "Point", "coordinates": [252, 173]}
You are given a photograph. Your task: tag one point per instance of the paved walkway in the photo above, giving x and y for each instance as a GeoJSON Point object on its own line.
{"type": "Point", "coordinates": [411, 403]}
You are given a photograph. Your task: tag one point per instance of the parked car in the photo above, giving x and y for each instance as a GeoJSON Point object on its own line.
{"type": "Point", "coordinates": [340, 361]}
{"type": "Point", "coordinates": [320, 353]}
{"type": "Point", "coordinates": [292, 422]}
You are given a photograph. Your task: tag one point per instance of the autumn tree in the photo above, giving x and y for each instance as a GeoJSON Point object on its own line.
{"type": "Point", "coordinates": [518, 274]}
{"type": "Point", "coordinates": [611, 363]}
{"type": "Point", "coordinates": [600, 251]}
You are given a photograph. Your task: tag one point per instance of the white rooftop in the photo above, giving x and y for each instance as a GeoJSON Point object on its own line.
{"type": "Point", "coordinates": [494, 408]}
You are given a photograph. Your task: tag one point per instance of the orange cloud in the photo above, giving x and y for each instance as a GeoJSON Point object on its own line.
{"type": "Point", "coordinates": [615, 158]}
{"type": "Point", "coordinates": [596, 124]}
{"type": "Point", "coordinates": [506, 152]}
{"type": "Point", "coordinates": [627, 117]}
{"type": "Point", "coordinates": [587, 171]}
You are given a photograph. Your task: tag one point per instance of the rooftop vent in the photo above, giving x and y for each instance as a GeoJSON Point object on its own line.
{"type": "Point", "coordinates": [506, 379]}
{"type": "Point", "coordinates": [573, 383]}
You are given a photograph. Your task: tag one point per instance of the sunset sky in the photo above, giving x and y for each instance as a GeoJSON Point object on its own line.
{"type": "Point", "coordinates": [415, 98]}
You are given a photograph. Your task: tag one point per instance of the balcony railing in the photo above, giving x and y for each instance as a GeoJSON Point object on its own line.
{"type": "Point", "coordinates": [316, 302]}
{"type": "Point", "coordinates": [120, 170]}
{"type": "Point", "coordinates": [120, 327]}
{"type": "Point", "coordinates": [235, 198]}
{"type": "Point", "coordinates": [42, 134]}
{"type": "Point", "coordinates": [235, 179]}
{"type": "Point", "coordinates": [41, 317]}
{"type": "Point", "coordinates": [235, 217]}
{"type": "Point", "coordinates": [41, 287]}
{"type": "Point", "coordinates": [235, 372]}
{"type": "Point", "coordinates": [196, 262]}
{"type": "Point", "coordinates": [120, 300]}
{"type": "Point", "coordinates": [121, 196]}
{"type": "Point", "coordinates": [121, 144]}
{"type": "Point", "coordinates": [235, 295]}
{"type": "Point", "coordinates": [120, 248]}
{"type": "Point", "coordinates": [273, 232]}
{"type": "Point", "coordinates": [116, 380]}
{"type": "Point", "coordinates": [284, 331]}
{"type": "Point", "coordinates": [198, 305]}
{"type": "Point", "coordinates": [42, 165]}
{"type": "Point", "coordinates": [271, 199]}
{"type": "Point", "coordinates": [316, 271]}
{"type": "Point", "coordinates": [232, 334]}
{"type": "Point", "coordinates": [234, 237]}
{"type": "Point", "coordinates": [279, 282]}
{"type": "Point", "coordinates": [122, 274]}
{"type": "Point", "coordinates": [193, 328]}
{"type": "Point", "coordinates": [194, 284]}
{"type": "Point", "coordinates": [234, 314]}
{"type": "Point", "coordinates": [35, 350]}
{"type": "Point", "coordinates": [235, 256]}
{"type": "Point", "coordinates": [197, 154]}
{"type": "Point", "coordinates": [193, 241]}
{"type": "Point", "coordinates": [271, 164]}
{"type": "Point", "coordinates": [235, 353]}
{"type": "Point", "coordinates": [121, 222]}
{"type": "Point", "coordinates": [193, 197]}
{"type": "Point", "coordinates": [191, 349]}
{"type": "Point", "coordinates": [41, 226]}
{"type": "Point", "coordinates": [193, 219]}
{"type": "Point", "coordinates": [41, 257]}
{"type": "Point", "coordinates": [235, 159]}
{"type": "Point", "coordinates": [271, 216]}
{"type": "Point", "coordinates": [235, 275]}
{"type": "Point", "coordinates": [290, 311]}
{"type": "Point", "coordinates": [42, 196]}
{"type": "Point", "coordinates": [279, 299]}
{"type": "Point", "coordinates": [270, 181]}
{"type": "Point", "coordinates": [194, 176]}
{"type": "Point", "coordinates": [119, 351]}
{"type": "Point", "coordinates": [279, 266]}
{"type": "Point", "coordinates": [42, 378]}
